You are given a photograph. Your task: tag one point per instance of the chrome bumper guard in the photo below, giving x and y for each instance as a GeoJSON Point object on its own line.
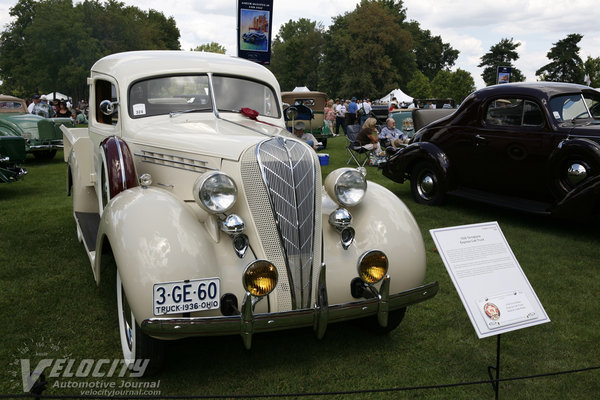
{"type": "Point", "coordinates": [246, 324]}
{"type": "Point", "coordinates": [47, 146]}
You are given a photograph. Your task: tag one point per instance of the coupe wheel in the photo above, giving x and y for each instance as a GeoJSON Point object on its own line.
{"type": "Point", "coordinates": [135, 344]}
{"type": "Point", "coordinates": [428, 186]}
{"type": "Point", "coordinates": [571, 171]}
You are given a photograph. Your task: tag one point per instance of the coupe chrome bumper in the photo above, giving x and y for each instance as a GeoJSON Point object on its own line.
{"type": "Point", "coordinates": [319, 317]}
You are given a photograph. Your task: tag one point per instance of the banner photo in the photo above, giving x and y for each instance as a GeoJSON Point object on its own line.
{"type": "Point", "coordinates": [504, 74]}
{"type": "Point", "coordinates": [254, 30]}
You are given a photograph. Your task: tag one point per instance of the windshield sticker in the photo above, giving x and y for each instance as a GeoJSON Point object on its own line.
{"type": "Point", "coordinates": [556, 115]}
{"type": "Point", "coordinates": [139, 109]}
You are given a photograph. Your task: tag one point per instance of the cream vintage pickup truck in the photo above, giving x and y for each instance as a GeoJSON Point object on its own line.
{"type": "Point", "coordinates": [217, 219]}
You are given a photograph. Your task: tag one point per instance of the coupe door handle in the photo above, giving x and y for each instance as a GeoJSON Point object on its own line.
{"type": "Point", "coordinates": [480, 138]}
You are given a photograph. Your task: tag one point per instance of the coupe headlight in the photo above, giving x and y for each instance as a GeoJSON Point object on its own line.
{"type": "Point", "coordinates": [215, 192]}
{"type": "Point", "coordinates": [347, 186]}
{"type": "Point", "coordinates": [260, 278]}
{"type": "Point", "coordinates": [372, 266]}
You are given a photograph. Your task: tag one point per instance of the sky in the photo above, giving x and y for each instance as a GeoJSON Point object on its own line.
{"type": "Point", "coordinates": [470, 26]}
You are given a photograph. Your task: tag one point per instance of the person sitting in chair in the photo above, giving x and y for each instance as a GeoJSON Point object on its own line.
{"type": "Point", "coordinates": [391, 135]}
{"type": "Point", "coordinates": [368, 136]}
{"type": "Point", "coordinates": [305, 136]}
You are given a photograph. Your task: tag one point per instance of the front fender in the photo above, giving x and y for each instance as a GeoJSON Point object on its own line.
{"type": "Point", "coordinates": [383, 222]}
{"type": "Point", "coordinates": [155, 237]}
{"type": "Point", "coordinates": [398, 167]}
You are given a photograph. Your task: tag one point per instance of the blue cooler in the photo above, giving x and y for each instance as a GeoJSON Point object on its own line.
{"type": "Point", "coordinates": [323, 159]}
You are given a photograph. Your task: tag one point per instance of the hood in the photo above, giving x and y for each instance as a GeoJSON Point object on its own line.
{"type": "Point", "coordinates": [226, 137]}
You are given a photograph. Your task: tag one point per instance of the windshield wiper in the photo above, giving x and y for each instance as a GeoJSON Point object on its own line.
{"type": "Point", "coordinates": [175, 113]}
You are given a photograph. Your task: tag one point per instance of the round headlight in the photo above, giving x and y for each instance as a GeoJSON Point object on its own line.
{"type": "Point", "coordinates": [372, 266]}
{"type": "Point", "coordinates": [350, 187]}
{"type": "Point", "coordinates": [260, 278]}
{"type": "Point", "coordinates": [215, 192]}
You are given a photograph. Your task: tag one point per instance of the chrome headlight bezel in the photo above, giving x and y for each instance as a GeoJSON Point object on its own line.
{"type": "Point", "coordinates": [215, 192]}
{"type": "Point", "coordinates": [347, 186]}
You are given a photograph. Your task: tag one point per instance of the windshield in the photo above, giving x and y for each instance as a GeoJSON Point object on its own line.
{"type": "Point", "coordinates": [184, 94]}
{"type": "Point", "coordinates": [575, 106]}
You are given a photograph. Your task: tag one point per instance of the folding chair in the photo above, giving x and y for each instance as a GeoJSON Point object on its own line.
{"type": "Point", "coordinates": [355, 151]}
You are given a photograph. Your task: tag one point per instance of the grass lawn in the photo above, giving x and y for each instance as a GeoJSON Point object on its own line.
{"type": "Point", "coordinates": [52, 309]}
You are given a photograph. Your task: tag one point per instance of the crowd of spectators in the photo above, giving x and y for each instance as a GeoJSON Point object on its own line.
{"type": "Point", "coordinates": [40, 105]}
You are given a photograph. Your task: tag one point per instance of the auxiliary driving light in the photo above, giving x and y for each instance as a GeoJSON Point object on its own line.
{"type": "Point", "coordinates": [372, 266]}
{"type": "Point", "coordinates": [260, 278]}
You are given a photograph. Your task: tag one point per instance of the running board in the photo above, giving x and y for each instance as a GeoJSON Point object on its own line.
{"type": "Point", "coordinates": [515, 203]}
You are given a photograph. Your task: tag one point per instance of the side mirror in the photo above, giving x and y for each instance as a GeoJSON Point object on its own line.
{"type": "Point", "coordinates": [108, 107]}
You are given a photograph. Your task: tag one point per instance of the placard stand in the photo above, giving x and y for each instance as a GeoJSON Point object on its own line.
{"type": "Point", "coordinates": [490, 282]}
{"type": "Point", "coordinates": [496, 380]}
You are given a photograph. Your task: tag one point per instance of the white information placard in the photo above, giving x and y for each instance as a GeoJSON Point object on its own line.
{"type": "Point", "coordinates": [488, 278]}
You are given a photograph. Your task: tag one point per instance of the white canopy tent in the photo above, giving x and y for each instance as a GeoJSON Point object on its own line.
{"type": "Point", "coordinates": [399, 95]}
{"type": "Point", "coordinates": [56, 96]}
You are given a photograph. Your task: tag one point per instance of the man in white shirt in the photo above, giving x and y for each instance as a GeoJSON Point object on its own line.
{"type": "Point", "coordinates": [340, 116]}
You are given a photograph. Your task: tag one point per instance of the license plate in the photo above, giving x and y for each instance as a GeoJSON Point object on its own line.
{"type": "Point", "coordinates": [186, 296]}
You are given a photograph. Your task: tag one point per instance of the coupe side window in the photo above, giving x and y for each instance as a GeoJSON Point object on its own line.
{"type": "Point", "coordinates": [513, 112]}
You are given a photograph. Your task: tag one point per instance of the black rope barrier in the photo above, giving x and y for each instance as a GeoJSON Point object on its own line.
{"type": "Point", "coordinates": [308, 394]}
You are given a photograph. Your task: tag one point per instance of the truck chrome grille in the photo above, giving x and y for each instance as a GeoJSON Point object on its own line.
{"type": "Point", "coordinates": [287, 169]}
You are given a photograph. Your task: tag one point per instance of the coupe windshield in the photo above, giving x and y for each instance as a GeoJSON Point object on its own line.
{"type": "Point", "coordinates": [184, 94]}
{"type": "Point", "coordinates": [575, 106]}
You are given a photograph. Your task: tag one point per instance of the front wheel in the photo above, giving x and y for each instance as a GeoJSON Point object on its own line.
{"type": "Point", "coordinates": [427, 184]}
{"type": "Point", "coordinates": [570, 171]}
{"type": "Point", "coordinates": [135, 344]}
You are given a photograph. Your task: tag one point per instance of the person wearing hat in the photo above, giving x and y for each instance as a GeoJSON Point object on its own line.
{"type": "Point", "coordinates": [35, 100]}
{"type": "Point", "coordinates": [42, 108]}
{"type": "Point", "coordinates": [305, 136]}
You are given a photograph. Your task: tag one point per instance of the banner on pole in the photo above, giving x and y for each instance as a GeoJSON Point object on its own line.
{"type": "Point", "coordinates": [504, 74]}
{"type": "Point", "coordinates": [255, 19]}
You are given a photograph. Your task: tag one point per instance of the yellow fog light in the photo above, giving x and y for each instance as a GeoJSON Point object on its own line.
{"type": "Point", "coordinates": [260, 278]}
{"type": "Point", "coordinates": [372, 266]}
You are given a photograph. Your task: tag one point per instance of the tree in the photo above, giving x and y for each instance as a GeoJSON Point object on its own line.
{"type": "Point", "coordinates": [565, 64]}
{"type": "Point", "coordinates": [431, 54]}
{"type": "Point", "coordinates": [212, 47]}
{"type": "Point", "coordinates": [367, 52]}
{"type": "Point", "coordinates": [502, 54]}
{"type": "Point", "coordinates": [592, 68]}
{"type": "Point", "coordinates": [456, 85]}
{"type": "Point", "coordinates": [296, 54]}
{"type": "Point", "coordinates": [51, 44]}
{"type": "Point", "coordinates": [419, 86]}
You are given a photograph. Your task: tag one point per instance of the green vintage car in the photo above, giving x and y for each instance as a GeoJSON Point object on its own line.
{"type": "Point", "coordinates": [42, 135]}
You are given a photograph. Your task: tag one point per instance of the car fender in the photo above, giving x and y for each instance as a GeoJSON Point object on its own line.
{"type": "Point", "coordinates": [116, 170]}
{"type": "Point", "coordinates": [568, 146]}
{"type": "Point", "coordinates": [156, 237]}
{"type": "Point", "coordinates": [80, 175]}
{"type": "Point", "coordinates": [383, 222]}
{"type": "Point", "coordinates": [399, 165]}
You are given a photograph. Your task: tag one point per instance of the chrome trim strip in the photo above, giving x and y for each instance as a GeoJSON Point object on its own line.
{"type": "Point", "coordinates": [46, 146]}
{"type": "Point", "coordinates": [121, 163]}
{"type": "Point", "coordinates": [231, 325]}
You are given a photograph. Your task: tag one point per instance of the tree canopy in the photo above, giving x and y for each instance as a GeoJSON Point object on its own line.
{"type": "Point", "coordinates": [51, 44]}
{"type": "Point", "coordinates": [373, 50]}
{"type": "Point", "coordinates": [212, 47]}
{"type": "Point", "coordinates": [296, 54]}
{"type": "Point", "coordinates": [502, 54]}
{"type": "Point", "coordinates": [565, 64]}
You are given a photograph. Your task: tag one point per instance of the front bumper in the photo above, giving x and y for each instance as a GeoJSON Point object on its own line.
{"type": "Point", "coordinates": [319, 316]}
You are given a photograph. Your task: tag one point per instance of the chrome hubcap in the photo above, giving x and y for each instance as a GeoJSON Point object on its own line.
{"type": "Point", "coordinates": [426, 186]}
{"type": "Point", "coordinates": [576, 173]}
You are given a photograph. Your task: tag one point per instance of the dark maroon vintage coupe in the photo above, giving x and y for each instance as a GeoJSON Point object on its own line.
{"type": "Point", "coordinates": [529, 146]}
